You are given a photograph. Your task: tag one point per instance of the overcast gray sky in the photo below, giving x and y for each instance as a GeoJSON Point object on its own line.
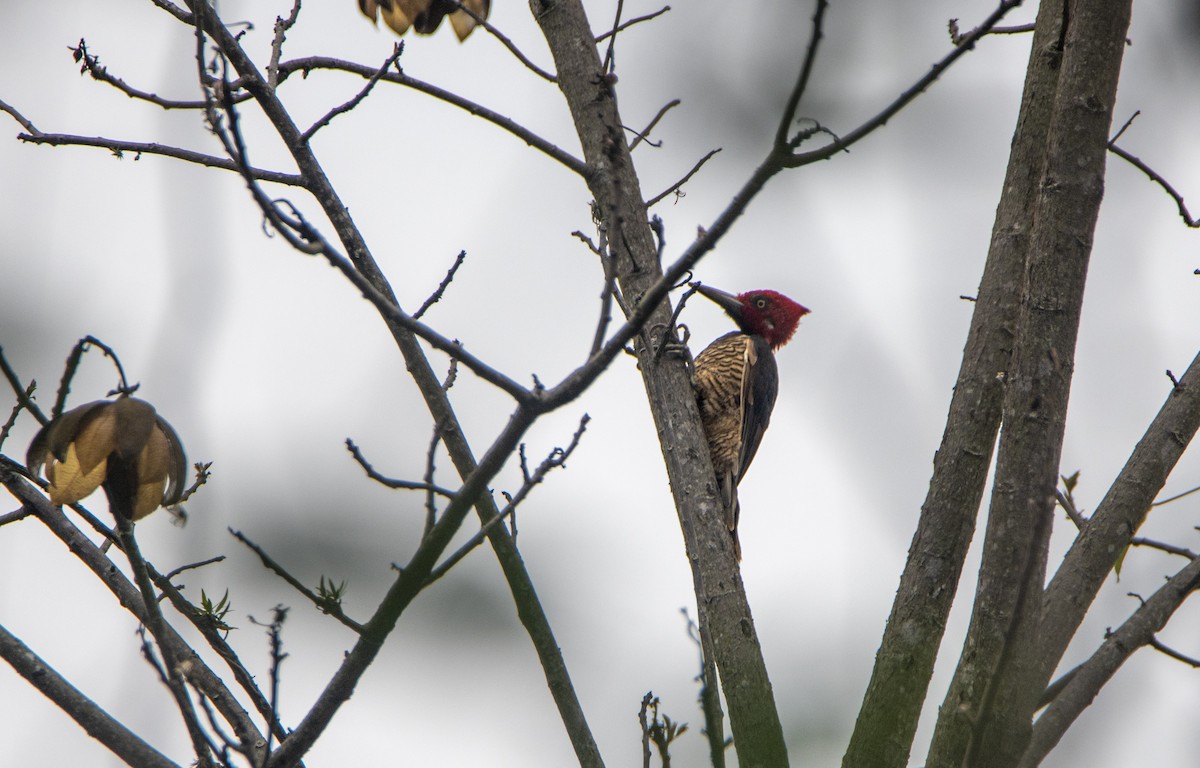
{"type": "Point", "coordinates": [265, 361]}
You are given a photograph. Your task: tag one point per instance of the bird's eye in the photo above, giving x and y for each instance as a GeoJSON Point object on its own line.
{"type": "Point", "coordinates": [760, 302]}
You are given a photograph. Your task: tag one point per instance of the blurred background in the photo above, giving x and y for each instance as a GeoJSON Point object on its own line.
{"type": "Point", "coordinates": [265, 361]}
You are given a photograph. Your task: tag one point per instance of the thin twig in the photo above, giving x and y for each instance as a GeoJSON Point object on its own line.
{"type": "Point", "coordinates": [15, 515]}
{"type": "Point", "coordinates": [507, 43]}
{"type": "Point", "coordinates": [801, 84]}
{"type": "Point", "coordinates": [21, 119]}
{"type": "Point", "coordinates": [157, 625]}
{"type": "Point", "coordinates": [169, 575]}
{"type": "Point", "coordinates": [557, 458]}
{"type": "Point", "coordinates": [325, 606]}
{"type": "Point", "coordinates": [16, 411]}
{"type": "Point", "coordinates": [645, 132]}
{"type": "Point", "coordinates": [310, 63]}
{"type": "Point", "coordinates": [608, 292]}
{"type": "Point", "coordinates": [282, 26]}
{"type": "Point", "coordinates": [358, 97]}
{"type": "Point", "coordinates": [795, 160]}
{"type": "Point", "coordinates": [1171, 549]}
{"type": "Point", "coordinates": [119, 147]}
{"type": "Point", "coordinates": [430, 467]}
{"type": "Point", "coordinates": [436, 296]}
{"type": "Point", "coordinates": [695, 168]}
{"type": "Point", "coordinates": [1067, 502]}
{"type": "Point", "coordinates": [73, 360]}
{"type": "Point", "coordinates": [1157, 178]}
{"type": "Point", "coordinates": [179, 13]}
{"type": "Point", "coordinates": [645, 723]}
{"type": "Point", "coordinates": [1174, 654]}
{"type": "Point", "coordinates": [609, 66]}
{"type": "Point", "coordinates": [1176, 497]}
{"type": "Point", "coordinates": [710, 694]}
{"type": "Point", "coordinates": [92, 66]}
{"type": "Point", "coordinates": [958, 38]}
{"type": "Point", "coordinates": [627, 24]}
{"type": "Point", "coordinates": [275, 634]}
{"type": "Point", "coordinates": [408, 485]}
{"type": "Point", "coordinates": [19, 389]}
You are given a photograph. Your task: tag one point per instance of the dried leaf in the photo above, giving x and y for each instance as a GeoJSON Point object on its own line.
{"type": "Point", "coordinates": [122, 445]}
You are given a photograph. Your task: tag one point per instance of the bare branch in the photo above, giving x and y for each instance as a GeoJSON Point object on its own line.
{"type": "Point", "coordinates": [310, 63]}
{"type": "Point", "coordinates": [325, 606]}
{"type": "Point", "coordinates": [22, 398]}
{"type": "Point", "coordinates": [94, 719]}
{"type": "Point", "coordinates": [1067, 502]}
{"type": "Point", "coordinates": [1176, 497]}
{"type": "Point", "coordinates": [958, 38]}
{"type": "Point", "coordinates": [179, 13]}
{"type": "Point", "coordinates": [1157, 178]}
{"type": "Point", "coordinates": [198, 673]}
{"type": "Point", "coordinates": [557, 458]}
{"type": "Point", "coordinates": [430, 467]}
{"type": "Point", "coordinates": [645, 132]}
{"type": "Point", "coordinates": [1171, 549]}
{"type": "Point", "coordinates": [1121, 512]}
{"type": "Point", "coordinates": [282, 26]}
{"type": "Point", "coordinates": [699, 164]}
{"type": "Point", "coordinates": [609, 65]}
{"type": "Point", "coordinates": [794, 160]}
{"type": "Point", "coordinates": [1087, 680]}
{"type": "Point", "coordinates": [21, 119]}
{"type": "Point", "coordinates": [20, 390]}
{"type": "Point", "coordinates": [436, 296]}
{"type": "Point", "coordinates": [158, 627]}
{"type": "Point", "coordinates": [636, 20]}
{"type": "Point", "coordinates": [358, 97]}
{"type": "Point", "coordinates": [389, 482]}
{"type": "Point", "coordinates": [119, 147]}
{"type": "Point", "coordinates": [810, 57]}
{"type": "Point", "coordinates": [69, 368]}
{"type": "Point", "coordinates": [1174, 654]}
{"type": "Point", "coordinates": [507, 43]}
{"type": "Point", "coordinates": [91, 65]}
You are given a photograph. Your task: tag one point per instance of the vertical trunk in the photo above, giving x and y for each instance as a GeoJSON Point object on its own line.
{"type": "Point", "coordinates": [985, 719]}
{"type": "Point", "coordinates": [721, 598]}
{"type": "Point", "coordinates": [888, 718]}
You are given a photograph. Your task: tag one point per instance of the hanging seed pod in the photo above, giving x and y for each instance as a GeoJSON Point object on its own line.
{"type": "Point", "coordinates": [424, 16]}
{"type": "Point", "coordinates": [120, 445]}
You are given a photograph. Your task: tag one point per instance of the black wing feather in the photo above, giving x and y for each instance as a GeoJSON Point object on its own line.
{"type": "Point", "coordinates": [759, 388]}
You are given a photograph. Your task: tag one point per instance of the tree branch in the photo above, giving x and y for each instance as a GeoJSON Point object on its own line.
{"type": "Point", "coordinates": [1121, 512]}
{"type": "Point", "coordinates": [101, 726]}
{"type": "Point", "coordinates": [887, 721]}
{"type": "Point", "coordinates": [198, 673]}
{"type": "Point", "coordinates": [119, 147]}
{"type": "Point", "coordinates": [310, 63]}
{"type": "Point", "coordinates": [475, 476]}
{"type": "Point", "coordinates": [985, 720]}
{"type": "Point", "coordinates": [1089, 677]}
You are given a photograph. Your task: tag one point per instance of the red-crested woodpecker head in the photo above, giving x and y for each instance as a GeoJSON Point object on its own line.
{"type": "Point", "coordinates": [764, 313]}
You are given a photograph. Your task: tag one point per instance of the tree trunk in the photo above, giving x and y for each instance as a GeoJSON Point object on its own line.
{"type": "Point", "coordinates": [986, 717]}
{"type": "Point", "coordinates": [721, 598]}
{"type": "Point", "coordinates": [888, 718]}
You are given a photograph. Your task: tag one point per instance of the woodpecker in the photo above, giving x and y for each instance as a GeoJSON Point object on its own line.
{"type": "Point", "coordinates": [736, 381]}
{"type": "Point", "coordinates": [425, 15]}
